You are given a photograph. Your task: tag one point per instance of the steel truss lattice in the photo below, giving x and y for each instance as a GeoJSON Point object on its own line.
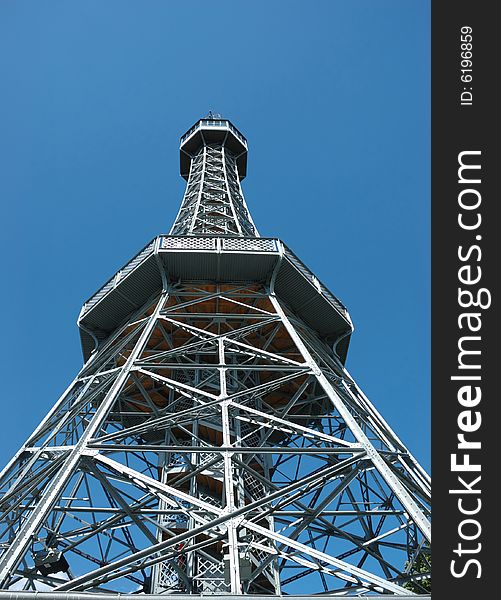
{"type": "Point", "coordinates": [214, 443]}
{"type": "Point", "coordinates": [213, 201]}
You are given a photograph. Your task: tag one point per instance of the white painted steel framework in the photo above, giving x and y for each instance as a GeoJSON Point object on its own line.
{"type": "Point", "coordinates": [213, 442]}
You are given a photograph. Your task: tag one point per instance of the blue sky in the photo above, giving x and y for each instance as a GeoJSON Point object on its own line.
{"type": "Point", "coordinates": [334, 99]}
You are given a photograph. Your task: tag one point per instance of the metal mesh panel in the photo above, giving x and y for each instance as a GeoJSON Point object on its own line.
{"type": "Point", "coordinates": [167, 578]}
{"type": "Point", "coordinates": [252, 245]}
{"type": "Point", "coordinates": [211, 576]}
{"type": "Point", "coordinates": [253, 487]}
{"type": "Point", "coordinates": [188, 243]}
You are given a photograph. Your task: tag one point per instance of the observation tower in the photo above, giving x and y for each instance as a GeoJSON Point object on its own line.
{"type": "Point", "coordinates": [214, 442]}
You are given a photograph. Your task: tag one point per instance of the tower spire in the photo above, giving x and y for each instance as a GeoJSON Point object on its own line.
{"type": "Point", "coordinates": [213, 160]}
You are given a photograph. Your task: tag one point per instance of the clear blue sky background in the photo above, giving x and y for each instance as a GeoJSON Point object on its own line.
{"type": "Point", "coordinates": [334, 98]}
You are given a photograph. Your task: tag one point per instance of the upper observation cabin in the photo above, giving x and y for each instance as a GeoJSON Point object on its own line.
{"type": "Point", "coordinates": [213, 129]}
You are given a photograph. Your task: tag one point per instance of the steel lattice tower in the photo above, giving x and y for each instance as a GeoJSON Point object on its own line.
{"type": "Point", "coordinates": [213, 441]}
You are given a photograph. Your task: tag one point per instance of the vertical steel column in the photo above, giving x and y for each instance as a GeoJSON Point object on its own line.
{"type": "Point", "coordinates": [233, 551]}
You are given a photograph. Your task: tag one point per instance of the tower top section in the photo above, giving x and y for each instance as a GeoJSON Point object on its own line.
{"type": "Point", "coordinates": [214, 239]}
{"type": "Point", "coordinates": [213, 129]}
{"type": "Point", "coordinates": [213, 161]}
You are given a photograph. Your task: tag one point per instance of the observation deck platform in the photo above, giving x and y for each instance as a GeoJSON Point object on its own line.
{"type": "Point", "coordinates": [213, 131]}
{"type": "Point", "coordinates": [215, 259]}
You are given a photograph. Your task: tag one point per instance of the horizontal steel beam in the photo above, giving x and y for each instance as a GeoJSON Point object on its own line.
{"type": "Point", "coordinates": [276, 513]}
{"type": "Point", "coordinates": [232, 449]}
{"type": "Point", "coordinates": [18, 595]}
